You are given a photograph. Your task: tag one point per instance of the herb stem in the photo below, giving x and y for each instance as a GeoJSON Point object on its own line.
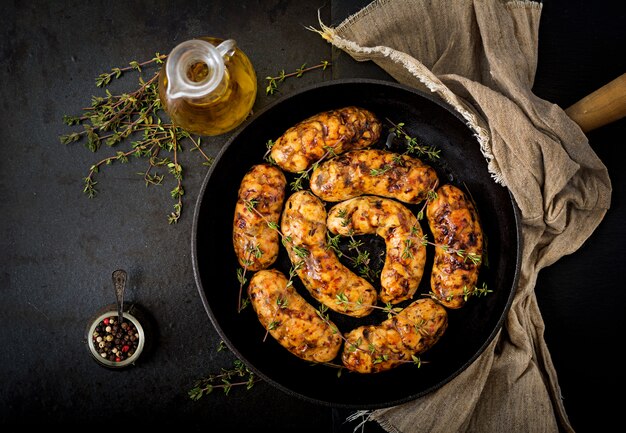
{"type": "Point", "coordinates": [272, 82]}
{"type": "Point", "coordinates": [298, 72]}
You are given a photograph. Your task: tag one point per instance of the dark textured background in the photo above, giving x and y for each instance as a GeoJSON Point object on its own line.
{"type": "Point", "coordinates": [58, 248]}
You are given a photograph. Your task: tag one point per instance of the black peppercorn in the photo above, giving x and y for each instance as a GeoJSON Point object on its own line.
{"type": "Point", "coordinates": [113, 344]}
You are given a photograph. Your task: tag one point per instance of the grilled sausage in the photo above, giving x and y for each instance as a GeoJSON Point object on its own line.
{"type": "Point", "coordinates": [458, 236]}
{"type": "Point", "coordinates": [310, 139]}
{"type": "Point", "coordinates": [376, 348]}
{"type": "Point", "coordinates": [375, 172]}
{"type": "Point", "coordinates": [395, 223]}
{"type": "Point", "coordinates": [290, 319]}
{"type": "Point", "coordinates": [260, 200]}
{"type": "Point", "coordinates": [303, 225]}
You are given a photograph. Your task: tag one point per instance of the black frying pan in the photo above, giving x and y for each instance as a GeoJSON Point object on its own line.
{"type": "Point", "coordinates": [470, 329]}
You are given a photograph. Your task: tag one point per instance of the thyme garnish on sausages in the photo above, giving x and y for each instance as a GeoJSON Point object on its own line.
{"type": "Point", "coordinates": [379, 171]}
{"type": "Point", "coordinates": [360, 262]}
{"type": "Point", "coordinates": [280, 303]}
{"type": "Point", "coordinates": [252, 250]}
{"type": "Point", "coordinates": [296, 184]}
{"type": "Point", "coordinates": [462, 253]}
{"type": "Point", "coordinates": [285, 240]}
{"type": "Point", "coordinates": [322, 312]}
{"type": "Point", "coordinates": [475, 258]}
{"type": "Point", "coordinates": [388, 308]}
{"type": "Point", "coordinates": [412, 145]}
{"type": "Point", "coordinates": [467, 293]}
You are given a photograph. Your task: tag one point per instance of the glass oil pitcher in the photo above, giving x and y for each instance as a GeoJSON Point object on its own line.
{"type": "Point", "coordinates": [207, 85]}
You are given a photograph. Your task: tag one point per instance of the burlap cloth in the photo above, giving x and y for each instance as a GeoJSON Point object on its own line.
{"type": "Point", "coordinates": [480, 56]}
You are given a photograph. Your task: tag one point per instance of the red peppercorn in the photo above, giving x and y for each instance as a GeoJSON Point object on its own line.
{"type": "Point", "coordinates": [119, 341]}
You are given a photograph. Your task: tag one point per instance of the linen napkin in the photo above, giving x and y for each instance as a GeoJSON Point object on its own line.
{"type": "Point", "coordinates": [480, 57]}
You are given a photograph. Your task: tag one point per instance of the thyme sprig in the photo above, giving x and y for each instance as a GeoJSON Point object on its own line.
{"type": "Point", "coordinates": [361, 261]}
{"type": "Point", "coordinates": [272, 82]}
{"type": "Point", "coordinates": [267, 157]}
{"type": "Point", "coordinates": [412, 145]}
{"type": "Point", "coordinates": [481, 291]}
{"type": "Point", "coordinates": [251, 250]}
{"type": "Point", "coordinates": [224, 380]}
{"type": "Point", "coordinates": [473, 257]}
{"type": "Point", "coordinates": [281, 303]}
{"type": "Point", "coordinates": [105, 78]}
{"type": "Point", "coordinates": [388, 308]}
{"type": "Point", "coordinates": [137, 116]}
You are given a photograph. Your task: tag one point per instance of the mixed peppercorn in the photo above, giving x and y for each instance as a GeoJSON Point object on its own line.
{"type": "Point", "coordinates": [114, 341]}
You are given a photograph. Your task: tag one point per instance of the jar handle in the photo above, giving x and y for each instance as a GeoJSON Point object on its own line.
{"type": "Point", "coordinates": [227, 47]}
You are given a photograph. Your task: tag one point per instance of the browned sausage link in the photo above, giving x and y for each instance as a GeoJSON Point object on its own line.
{"type": "Point", "coordinates": [375, 172]}
{"type": "Point", "coordinates": [376, 348]}
{"type": "Point", "coordinates": [455, 225]}
{"type": "Point", "coordinates": [290, 319]}
{"type": "Point", "coordinates": [309, 140]}
{"type": "Point", "coordinates": [260, 200]}
{"type": "Point", "coordinates": [324, 276]}
{"type": "Point", "coordinates": [395, 223]}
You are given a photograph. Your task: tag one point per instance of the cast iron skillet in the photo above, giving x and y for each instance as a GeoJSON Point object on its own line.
{"type": "Point", "coordinates": [470, 329]}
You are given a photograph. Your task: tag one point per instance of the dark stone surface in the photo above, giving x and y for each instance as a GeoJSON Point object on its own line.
{"type": "Point", "coordinates": [58, 248]}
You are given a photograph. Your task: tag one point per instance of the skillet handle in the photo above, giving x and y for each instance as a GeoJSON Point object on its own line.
{"type": "Point", "coordinates": [603, 106]}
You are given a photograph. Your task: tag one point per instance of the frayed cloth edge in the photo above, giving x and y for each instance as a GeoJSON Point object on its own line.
{"type": "Point", "coordinates": [524, 4]}
{"type": "Point", "coordinates": [366, 416]}
{"type": "Point", "coordinates": [413, 66]}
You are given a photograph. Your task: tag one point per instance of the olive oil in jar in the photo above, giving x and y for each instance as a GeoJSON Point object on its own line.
{"type": "Point", "coordinates": [207, 86]}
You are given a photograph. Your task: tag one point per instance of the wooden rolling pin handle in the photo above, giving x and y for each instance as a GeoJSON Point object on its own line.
{"type": "Point", "coordinates": [605, 105]}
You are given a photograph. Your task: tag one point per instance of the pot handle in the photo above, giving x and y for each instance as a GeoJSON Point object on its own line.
{"type": "Point", "coordinates": [601, 107]}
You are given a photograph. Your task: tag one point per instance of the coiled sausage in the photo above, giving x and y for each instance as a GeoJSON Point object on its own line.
{"type": "Point", "coordinates": [376, 172]}
{"type": "Point", "coordinates": [337, 130]}
{"type": "Point", "coordinates": [458, 239]}
{"type": "Point", "coordinates": [411, 332]}
{"type": "Point", "coordinates": [260, 200]}
{"type": "Point", "coordinates": [290, 319]}
{"type": "Point", "coordinates": [303, 225]}
{"type": "Point", "coordinates": [405, 253]}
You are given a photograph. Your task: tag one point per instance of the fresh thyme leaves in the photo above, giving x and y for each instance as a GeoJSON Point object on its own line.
{"type": "Point", "coordinates": [281, 303]}
{"type": "Point", "coordinates": [135, 117]}
{"type": "Point", "coordinates": [267, 157]}
{"type": "Point", "coordinates": [272, 82]}
{"type": "Point", "coordinates": [388, 308]}
{"type": "Point", "coordinates": [237, 375]}
{"type": "Point", "coordinates": [359, 259]}
{"type": "Point", "coordinates": [467, 292]}
{"type": "Point", "coordinates": [105, 78]}
{"type": "Point", "coordinates": [379, 171]}
{"type": "Point", "coordinates": [462, 253]}
{"type": "Point", "coordinates": [431, 195]}
{"type": "Point", "coordinates": [412, 145]}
